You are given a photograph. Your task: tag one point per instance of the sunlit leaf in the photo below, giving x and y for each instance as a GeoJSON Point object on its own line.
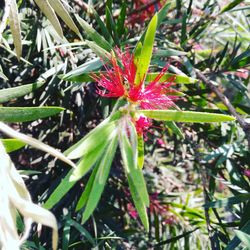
{"type": "Point", "coordinates": [46, 8]}
{"type": "Point", "coordinates": [100, 179]}
{"type": "Point", "coordinates": [15, 28]}
{"type": "Point", "coordinates": [185, 116]}
{"type": "Point", "coordinates": [12, 144]}
{"type": "Point", "coordinates": [64, 14]}
{"type": "Point", "coordinates": [15, 92]}
{"type": "Point", "coordinates": [146, 51]}
{"type": "Point", "coordinates": [25, 114]}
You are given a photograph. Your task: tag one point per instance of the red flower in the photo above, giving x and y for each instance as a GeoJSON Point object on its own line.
{"type": "Point", "coordinates": [131, 210]}
{"type": "Point", "coordinates": [119, 81]}
{"type": "Point", "coordinates": [142, 124]}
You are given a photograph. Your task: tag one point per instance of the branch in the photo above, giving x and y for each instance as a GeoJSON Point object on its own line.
{"type": "Point", "coordinates": [243, 123]}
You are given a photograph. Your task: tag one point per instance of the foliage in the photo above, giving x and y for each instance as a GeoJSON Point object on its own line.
{"type": "Point", "coordinates": [161, 161]}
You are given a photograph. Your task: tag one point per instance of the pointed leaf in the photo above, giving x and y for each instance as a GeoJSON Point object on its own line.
{"type": "Point", "coordinates": [131, 169]}
{"type": "Point", "coordinates": [50, 14]}
{"type": "Point", "coordinates": [230, 6]}
{"type": "Point", "coordinates": [95, 137]}
{"type": "Point", "coordinates": [185, 116]}
{"type": "Point", "coordinates": [100, 179]}
{"type": "Point", "coordinates": [25, 114]}
{"type": "Point", "coordinates": [89, 159]}
{"type": "Point", "coordinates": [61, 190]}
{"type": "Point", "coordinates": [85, 195]}
{"type": "Point", "coordinates": [94, 35]}
{"type": "Point", "coordinates": [139, 204]}
{"type": "Point", "coordinates": [64, 14]}
{"type": "Point", "coordinates": [12, 144]}
{"type": "Point", "coordinates": [228, 202]}
{"type": "Point", "coordinates": [173, 77]}
{"type": "Point", "coordinates": [146, 52]}
{"type": "Point", "coordinates": [15, 92]}
{"type": "Point", "coordinates": [15, 28]}
{"type": "Point", "coordinates": [140, 152]}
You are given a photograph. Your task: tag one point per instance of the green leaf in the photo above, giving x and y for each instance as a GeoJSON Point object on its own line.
{"type": "Point", "coordinates": [172, 125]}
{"type": "Point", "coordinates": [245, 238]}
{"type": "Point", "coordinates": [140, 146]}
{"type": "Point", "coordinates": [163, 13]}
{"type": "Point", "coordinates": [129, 157]}
{"type": "Point", "coordinates": [228, 202]}
{"type": "Point", "coordinates": [235, 241]}
{"type": "Point", "coordinates": [139, 204]}
{"type": "Point", "coordinates": [50, 14]}
{"type": "Point", "coordinates": [85, 194]}
{"type": "Point", "coordinates": [111, 24]}
{"type": "Point", "coordinates": [241, 60]}
{"type": "Point", "coordinates": [61, 190]}
{"type": "Point", "coordinates": [185, 116]}
{"type": "Point", "coordinates": [230, 6]}
{"type": "Point", "coordinates": [120, 27]}
{"type": "Point", "coordinates": [98, 136]}
{"type": "Point", "coordinates": [174, 239]}
{"type": "Point", "coordinates": [184, 29]}
{"type": "Point", "coordinates": [102, 26]}
{"type": "Point", "coordinates": [90, 157]}
{"type": "Point", "coordinates": [81, 73]}
{"type": "Point", "coordinates": [82, 230]}
{"type": "Point", "coordinates": [166, 52]}
{"type": "Point", "coordinates": [64, 14]}
{"type": "Point", "coordinates": [15, 92]}
{"type": "Point", "coordinates": [15, 28]}
{"type": "Point", "coordinates": [146, 52]}
{"type": "Point", "coordinates": [25, 114]}
{"type": "Point", "coordinates": [99, 51]}
{"type": "Point", "coordinates": [94, 35]}
{"type": "Point", "coordinates": [12, 144]}
{"type": "Point", "coordinates": [100, 179]}
{"type": "Point", "coordinates": [173, 77]}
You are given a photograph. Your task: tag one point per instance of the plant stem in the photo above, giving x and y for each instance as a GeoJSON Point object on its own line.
{"type": "Point", "coordinates": [243, 123]}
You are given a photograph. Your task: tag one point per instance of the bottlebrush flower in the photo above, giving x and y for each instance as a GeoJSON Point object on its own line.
{"type": "Point", "coordinates": [119, 81]}
{"type": "Point", "coordinates": [142, 124]}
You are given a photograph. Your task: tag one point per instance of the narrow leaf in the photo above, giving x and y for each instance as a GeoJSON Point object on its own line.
{"type": "Point", "coordinates": [146, 52]}
{"type": "Point", "coordinates": [61, 190]}
{"type": "Point", "coordinates": [12, 144]}
{"type": "Point", "coordinates": [139, 204]}
{"type": "Point", "coordinates": [100, 179]}
{"type": "Point", "coordinates": [174, 78]}
{"type": "Point", "coordinates": [85, 195]}
{"type": "Point", "coordinates": [89, 159]}
{"type": "Point", "coordinates": [230, 6]}
{"type": "Point", "coordinates": [15, 92]}
{"type": "Point", "coordinates": [24, 114]}
{"type": "Point", "coordinates": [50, 14]}
{"type": "Point", "coordinates": [94, 35]}
{"type": "Point", "coordinates": [95, 137]}
{"type": "Point", "coordinates": [172, 125]}
{"type": "Point", "coordinates": [140, 152]}
{"type": "Point", "coordinates": [131, 168]}
{"type": "Point", "coordinates": [15, 28]}
{"type": "Point", "coordinates": [228, 202]}
{"type": "Point", "coordinates": [185, 116]}
{"type": "Point", "coordinates": [64, 14]}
